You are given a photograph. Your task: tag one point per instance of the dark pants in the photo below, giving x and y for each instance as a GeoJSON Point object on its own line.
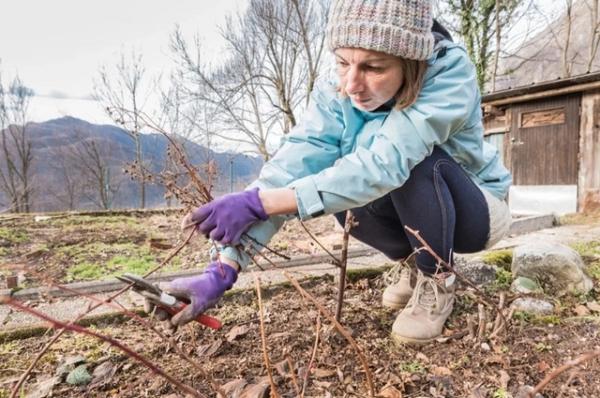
{"type": "Point", "coordinates": [440, 201]}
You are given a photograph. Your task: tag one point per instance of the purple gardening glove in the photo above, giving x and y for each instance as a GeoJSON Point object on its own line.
{"type": "Point", "coordinates": [227, 218]}
{"type": "Point", "coordinates": [201, 291]}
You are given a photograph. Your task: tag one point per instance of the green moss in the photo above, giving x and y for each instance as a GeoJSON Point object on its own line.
{"type": "Point", "coordinates": [594, 270]}
{"type": "Point", "coordinates": [542, 347]}
{"type": "Point", "coordinates": [135, 265]}
{"type": "Point", "coordinates": [4, 251]}
{"type": "Point", "coordinates": [412, 367]}
{"type": "Point", "coordinates": [14, 235]}
{"type": "Point", "coordinates": [85, 272]}
{"type": "Point", "coordinates": [537, 319]}
{"type": "Point", "coordinates": [354, 275]}
{"type": "Point", "coordinates": [522, 316]}
{"type": "Point", "coordinates": [500, 393]}
{"type": "Point", "coordinates": [587, 249]}
{"type": "Point", "coordinates": [499, 258]}
{"type": "Point", "coordinates": [503, 280]}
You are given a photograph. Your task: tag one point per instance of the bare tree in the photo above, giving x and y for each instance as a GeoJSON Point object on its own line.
{"type": "Point", "coordinates": [480, 24]}
{"type": "Point", "coordinates": [592, 6]}
{"type": "Point", "coordinates": [274, 56]}
{"type": "Point", "coordinates": [16, 155]}
{"type": "Point", "coordinates": [124, 91]}
{"type": "Point", "coordinates": [70, 180]}
{"type": "Point", "coordinates": [102, 182]}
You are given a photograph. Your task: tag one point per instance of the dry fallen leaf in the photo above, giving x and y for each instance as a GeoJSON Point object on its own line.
{"type": "Point", "coordinates": [283, 368]}
{"type": "Point", "coordinates": [581, 310]}
{"type": "Point", "coordinates": [594, 306]}
{"type": "Point", "coordinates": [237, 331]}
{"type": "Point", "coordinates": [542, 366]}
{"type": "Point", "coordinates": [208, 350]}
{"type": "Point", "coordinates": [103, 374]}
{"type": "Point", "coordinates": [43, 388]}
{"type": "Point", "coordinates": [504, 379]}
{"type": "Point", "coordinates": [441, 371]}
{"type": "Point", "coordinates": [233, 388]}
{"type": "Point", "coordinates": [390, 392]}
{"type": "Point", "coordinates": [422, 357]}
{"type": "Point", "coordinates": [320, 373]}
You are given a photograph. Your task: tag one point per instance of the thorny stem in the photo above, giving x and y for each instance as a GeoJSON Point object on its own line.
{"type": "Point", "coordinates": [344, 264]}
{"type": "Point", "coordinates": [293, 374]}
{"type": "Point", "coordinates": [339, 327]}
{"type": "Point", "coordinates": [312, 357]}
{"type": "Point", "coordinates": [263, 338]}
{"type": "Point", "coordinates": [574, 362]}
{"type": "Point", "coordinates": [118, 306]}
{"type": "Point", "coordinates": [43, 351]}
{"type": "Point", "coordinates": [79, 329]}
{"type": "Point", "coordinates": [440, 261]}
{"type": "Point", "coordinates": [335, 260]}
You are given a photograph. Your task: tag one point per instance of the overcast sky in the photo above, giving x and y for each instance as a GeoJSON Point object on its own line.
{"type": "Point", "coordinates": [57, 46]}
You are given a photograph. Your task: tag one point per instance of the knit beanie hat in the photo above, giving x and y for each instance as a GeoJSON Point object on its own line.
{"type": "Point", "coordinates": [397, 27]}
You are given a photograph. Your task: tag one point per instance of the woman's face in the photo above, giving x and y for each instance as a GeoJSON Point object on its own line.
{"type": "Point", "coordinates": [370, 78]}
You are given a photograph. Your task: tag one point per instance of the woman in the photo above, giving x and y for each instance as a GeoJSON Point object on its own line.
{"type": "Point", "coordinates": [397, 138]}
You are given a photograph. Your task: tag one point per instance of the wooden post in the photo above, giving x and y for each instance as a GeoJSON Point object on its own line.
{"type": "Point", "coordinates": [588, 190]}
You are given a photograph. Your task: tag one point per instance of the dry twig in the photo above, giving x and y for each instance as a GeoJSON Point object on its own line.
{"type": "Point", "coordinates": [90, 308]}
{"type": "Point", "coordinates": [568, 365]}
{"type": "Point", "coordinates": [312, 356]}
{"type": "Point", "coordinates": [340, 328]}
{"type": "Point", "coordinates": [119, 307]}
{"type": "Point", "coordinates": [263, 339]}
{"type": "Point", "coordinates": [349, 224]}
{"type": "Point", "coordinates": [79, 329]}
{"type": "Point", "coordinates": [482, 322]}
{"type": "Point", "coordinates": [480, 295]}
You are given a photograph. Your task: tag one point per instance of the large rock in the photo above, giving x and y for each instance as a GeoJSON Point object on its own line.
{"type": "Point", "coordinates": [558, 268]}
{"type": "Point", "coordinates": [475, 271]}
{"type": "Point", "coordinates": [533, 306]}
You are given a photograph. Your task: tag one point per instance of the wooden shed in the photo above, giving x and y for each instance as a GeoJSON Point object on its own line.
{"type": "Point", "coordinates": [549, 134]}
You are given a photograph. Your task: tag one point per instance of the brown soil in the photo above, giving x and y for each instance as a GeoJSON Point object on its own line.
{"type": "Point", "coordinates": [456, 368]}
{"type": "Point", "coordinates": [60, 243]}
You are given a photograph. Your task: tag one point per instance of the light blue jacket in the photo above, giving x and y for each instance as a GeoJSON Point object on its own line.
{"type": "Point", "coordinates": [339, 157]}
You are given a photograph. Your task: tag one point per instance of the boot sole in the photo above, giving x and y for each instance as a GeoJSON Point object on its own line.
{"type": "Point", "coordinates": [410, 341]}
{"type": "Point", "coordinates": [395, 305]}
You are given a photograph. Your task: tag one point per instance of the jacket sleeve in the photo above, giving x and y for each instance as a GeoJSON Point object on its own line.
{"type": "Point", "coordinates": [311, 146]}
{"type": "Point", "coordinates": [449, 95]}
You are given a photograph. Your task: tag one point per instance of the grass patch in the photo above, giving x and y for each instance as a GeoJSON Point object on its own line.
{"type": "Point", "coordinates": [594, 270]}
{"type": "Point", "coordinates": [587, 249]}
{"type": "Point", "coordinates": [580, 218]}
{"type": "Point", "coordinates": [86, 272]}
{"type": "Point", "coordinates": [102, 261]}
{"type": "Point", "coordinates": [499, 258]}
{"type": "Point", "coordinates": [500, 393]}
{"type": "Point", "coordinates": [503, 281]}
{"type": "Point", "coordinates": [14, 235]}
{"type": "Point", "coordinates": [590, 253]}
{"type": "Point", "coordinates": [412, 367]}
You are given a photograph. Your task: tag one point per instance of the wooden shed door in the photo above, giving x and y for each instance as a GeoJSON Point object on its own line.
{"type": "Point", "coordinates": [545, 141]}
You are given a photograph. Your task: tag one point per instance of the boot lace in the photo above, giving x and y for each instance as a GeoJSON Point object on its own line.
{"type": "Point", "coordinates": [426, 294]}
{"type": "Point", "coordinates": [400, 270]}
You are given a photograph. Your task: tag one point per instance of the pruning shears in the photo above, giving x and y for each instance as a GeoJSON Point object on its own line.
{"type": "Point", "coordinates": [165, 301]}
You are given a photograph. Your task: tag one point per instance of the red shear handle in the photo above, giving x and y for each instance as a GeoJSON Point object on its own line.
{"type": "Point", "coordinates": [205, 320]}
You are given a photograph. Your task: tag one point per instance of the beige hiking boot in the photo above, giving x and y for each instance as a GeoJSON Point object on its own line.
{"type": "Point", "coordinates": [400, 288]}
{"type": "Point", "coordinates": [422, 320]}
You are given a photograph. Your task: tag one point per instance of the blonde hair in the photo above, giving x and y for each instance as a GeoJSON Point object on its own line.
{"type": "Point", "coordinates": [414, 73]}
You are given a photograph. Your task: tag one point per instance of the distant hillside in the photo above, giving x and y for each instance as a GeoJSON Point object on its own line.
{"type": "Point", "coordinates": [54, 141]}
{"type": "Point", "coordinates": [540, 59]}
